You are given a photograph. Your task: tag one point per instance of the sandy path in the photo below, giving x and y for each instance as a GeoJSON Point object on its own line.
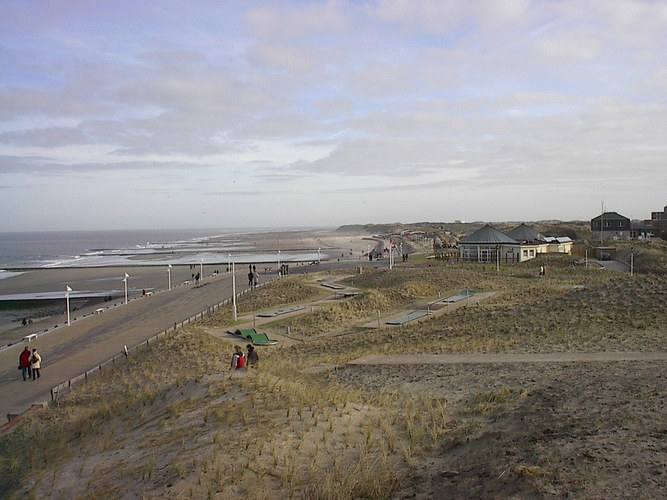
{"type": "Point", "coordinates": [557, 357]}
{"type": "Point", "coordinates": [70, 351]}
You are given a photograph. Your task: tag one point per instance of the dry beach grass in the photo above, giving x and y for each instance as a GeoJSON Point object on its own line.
{"type": "Point", "coordinates": [174, 423]}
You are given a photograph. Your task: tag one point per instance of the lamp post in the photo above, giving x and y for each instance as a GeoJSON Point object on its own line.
{"type": "Point", "coordinates": [318, 255]}
{"type": "Point", "coordinates": [498, 259]}
{"type": "Point", "coordinates": [632, 261]}
{"type": "Point", "coordinates": [229, 262]}
{"type": "Point", "coordinates": [169, 271]}
{"type": "Point", "coordinates": [125, 282]}
{"type": "Point", "coordinates": [390, 255]}
{"type": "Point", "coordinates": [201, 270]}
{"type": "Point", "coordinates": [67, 291]}
{"type": "Point", "coordinates": [233, 293]}
{"type": "Point", "coordinates": [279, 271]}
{"type": "Point", "coordinates": [586, 258]}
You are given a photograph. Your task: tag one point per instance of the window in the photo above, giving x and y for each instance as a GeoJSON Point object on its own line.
{"type": "Point", "coordinates": [532, 253]}
{"type": "Point", "coordinates": [525, 253]}
{"type": "Point", "coordinates": [607, 224]}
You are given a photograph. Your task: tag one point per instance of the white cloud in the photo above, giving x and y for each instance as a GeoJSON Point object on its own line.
{"type": "Point", "coordinates": [338, 104]}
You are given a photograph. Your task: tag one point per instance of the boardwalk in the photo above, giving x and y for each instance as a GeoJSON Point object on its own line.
{"type": "Point", "coordinates": [70, 351]}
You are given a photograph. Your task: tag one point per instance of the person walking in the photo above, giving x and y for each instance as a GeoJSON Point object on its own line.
{"type": "Point", "coordinates": [24, 363]}
{"type": "Point", "coordinates": [35, 364]}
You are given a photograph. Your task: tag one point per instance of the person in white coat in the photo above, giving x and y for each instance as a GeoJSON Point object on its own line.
{"type": "Point", "coordinates": [35, 364]}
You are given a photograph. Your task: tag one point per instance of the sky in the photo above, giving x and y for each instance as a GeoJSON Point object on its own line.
{"type": "Point", "coordinates": [229, 114]}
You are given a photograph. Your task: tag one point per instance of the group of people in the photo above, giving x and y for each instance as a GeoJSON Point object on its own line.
{"type": "Point", "coordinates": [240, 359]}
{"type": "Point", "coordinates": [30, 364]}
{"type": "Point", "coordinates": [253, 277]}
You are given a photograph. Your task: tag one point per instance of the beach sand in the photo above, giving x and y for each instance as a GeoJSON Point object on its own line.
{"type": "Point", "coordinates": [148, 277]}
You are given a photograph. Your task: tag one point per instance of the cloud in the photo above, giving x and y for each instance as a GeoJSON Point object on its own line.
{"type": "Point", "coordinates": [317, 101]}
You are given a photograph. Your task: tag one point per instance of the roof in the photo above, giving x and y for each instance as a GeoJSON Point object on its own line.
{"type": "Point", "coordinates": [611, 216]}
{"type": "Point", "coordinates": [558, 239]}
{"type": "Point", "coordinates": [488, 236]}
{"type": "Point", "coordinates": [525, 233]}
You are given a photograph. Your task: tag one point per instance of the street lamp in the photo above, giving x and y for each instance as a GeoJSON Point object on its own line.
{"type": "Point", "coordinates": [169, 271]}
{"type": "Point", "coordinates": [201, 270]}
{"type": "Point", "coordinates": [318, 255]}
{"type": "Point", "coordinates": [233, 293]}
{"type": "Point", "coordinates": [632, 260]}
{"type": "Point", "coordinates": [67, 291]}
{"type": "Point", "coordinates": [390, 255]}
{"type": "Point", "coordinates": [279, 263]}
{"type": "Point", "coordinates": [498, 259]}
{"type": "Point", "coordinates": [125, 281]}
{"type": "Point", "coordinates": [229, 262]}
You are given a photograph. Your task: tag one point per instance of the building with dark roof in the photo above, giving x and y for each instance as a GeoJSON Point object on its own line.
{"type": "Point", "coordinates": [488, 245]}
{"type": "Point", "coordinates": [611, 226]}
{"type": "Point", "coordinates": [655, 227]}
{"type": "Point", "coordinates": [525, 234]}
{"type": "Point", "coordinates": [521, 244]}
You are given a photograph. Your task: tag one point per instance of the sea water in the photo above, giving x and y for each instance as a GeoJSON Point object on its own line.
{"type": "Point", "coordinates": [22, 252]}
{"type": "Point", "coordinates": [55, 249]}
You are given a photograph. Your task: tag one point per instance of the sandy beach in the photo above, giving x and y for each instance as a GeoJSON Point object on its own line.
{"type": "Point", "coordinates": [146, 276]}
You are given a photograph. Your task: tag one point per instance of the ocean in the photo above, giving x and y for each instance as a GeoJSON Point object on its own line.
{"type": "Point", "coordinates": [62, 249]}
{"type": "Point", "coordinates": [153, 250]}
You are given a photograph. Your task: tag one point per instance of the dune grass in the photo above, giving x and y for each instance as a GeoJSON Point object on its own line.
{"type": "Point", "coordinates": [173, 421]}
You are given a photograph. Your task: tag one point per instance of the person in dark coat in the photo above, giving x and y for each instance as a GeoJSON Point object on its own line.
{"type": "Point", "coordinates": [24, 363]}
{"type": "Point", "coordinates": [252, 355]}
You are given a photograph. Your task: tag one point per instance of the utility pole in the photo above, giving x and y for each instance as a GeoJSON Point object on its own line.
{"type": "Point", "coordinates": [602, 223]}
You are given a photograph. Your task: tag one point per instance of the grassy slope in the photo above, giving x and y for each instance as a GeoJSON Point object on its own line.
{"type": "Point", "coordinates": [173, 421]}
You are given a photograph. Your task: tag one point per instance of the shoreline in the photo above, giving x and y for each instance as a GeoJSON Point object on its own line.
{"type": "Point", "coordinates": [89, 282]}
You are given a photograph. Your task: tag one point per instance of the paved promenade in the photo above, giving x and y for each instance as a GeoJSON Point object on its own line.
{"type": "Point", "coordinates": [71, 350]}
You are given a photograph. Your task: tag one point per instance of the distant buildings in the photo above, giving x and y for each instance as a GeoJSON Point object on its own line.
{"type": "Point", "coordinates": [518, 245]}
{"type": "Point", "coordinates": [611, 226]}
{"type": "Point", "coordinates": [655, 227]}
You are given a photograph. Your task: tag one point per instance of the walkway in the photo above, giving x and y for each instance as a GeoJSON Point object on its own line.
{"type": "Point", "coordinates": [556, 357]}
{"type": "Point", "coordinates": [70, 351]}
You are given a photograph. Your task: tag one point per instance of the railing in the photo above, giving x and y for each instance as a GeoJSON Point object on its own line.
{"type": "Point", "coordinates": [65, 387]}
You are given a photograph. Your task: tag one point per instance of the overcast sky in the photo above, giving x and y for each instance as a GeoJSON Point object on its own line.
{"type": "Point", "coordinates": [230, 114]}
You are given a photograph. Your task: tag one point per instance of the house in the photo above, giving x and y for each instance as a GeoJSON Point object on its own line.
{"type": "Point", "coordinates": [655, 227]}
{"type": "Point", "coordinates": [518, 245]}
{"type": "Point", "coordinates": [560, 244]}
{"type": "Point", "coordinates": [611, 226]}
{"type": "Point", "coordinates": [488, 245]}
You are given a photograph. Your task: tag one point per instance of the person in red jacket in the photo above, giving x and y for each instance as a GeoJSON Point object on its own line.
{"type": "Point", "coordinates": [238, 359]}
{"type": "Point", "coordinates": [24, 363]}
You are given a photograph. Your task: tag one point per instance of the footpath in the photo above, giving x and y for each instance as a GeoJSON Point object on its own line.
{"type": "Point", "coordinates": [71, 350]}
{"type": "Point", "coordinates": [483, 358]}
